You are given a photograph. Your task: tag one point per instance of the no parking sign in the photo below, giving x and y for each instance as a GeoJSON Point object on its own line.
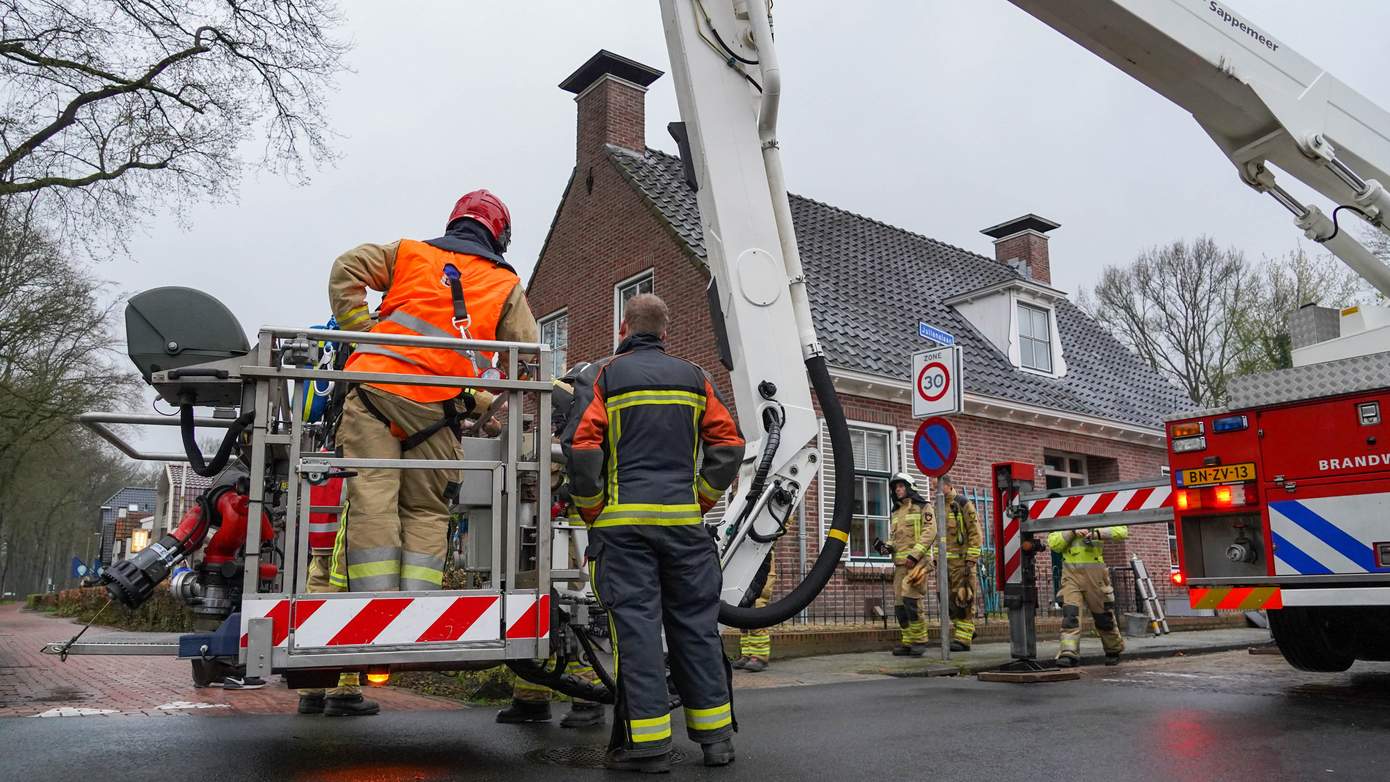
{"type": "Point", "coordinates": [936, 383]}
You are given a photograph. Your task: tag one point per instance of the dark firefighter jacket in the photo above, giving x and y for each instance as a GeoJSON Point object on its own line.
{"type": "Point", "coordinates": [636, 443]}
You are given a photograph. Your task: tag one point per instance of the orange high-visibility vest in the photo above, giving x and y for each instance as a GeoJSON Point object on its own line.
{"type": "Point", "coordinates": [420, 302]}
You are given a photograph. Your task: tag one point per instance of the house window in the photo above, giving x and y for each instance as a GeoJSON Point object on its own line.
{"type": "Point", "coordinates": [555, 332]}
{"type": "Point", "coordinates": [625, 290]}
{"type": "Point", "coordinates": [1064, 470]}
{"type": "Point", "coordinates": [872, 467]}
{"type": "Point", "coordinates": [1034, 338]}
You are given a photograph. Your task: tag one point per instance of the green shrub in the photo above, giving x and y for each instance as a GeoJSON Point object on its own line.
{"type": "Point", "coordinates": [161, 613]}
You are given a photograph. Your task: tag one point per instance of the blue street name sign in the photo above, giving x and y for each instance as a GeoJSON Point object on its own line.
{"type": "Point", "coordinates": [934, 334]}
{"type": "Point", "coordinates": [935, 447]}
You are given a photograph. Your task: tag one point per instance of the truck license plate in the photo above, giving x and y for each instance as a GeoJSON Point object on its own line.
{"type": "Point", "coordinates": [1210, 476]}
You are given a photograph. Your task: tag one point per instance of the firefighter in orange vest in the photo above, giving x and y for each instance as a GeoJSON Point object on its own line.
{"type": "Point", "coordinates": [457, 285]}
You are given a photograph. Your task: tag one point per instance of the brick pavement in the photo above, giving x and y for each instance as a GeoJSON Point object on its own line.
{"type": "Point", "coordinates": [32, 683]}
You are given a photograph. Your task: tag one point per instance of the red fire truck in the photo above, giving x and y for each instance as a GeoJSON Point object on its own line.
{"type": "Point", "coordinates": [1282, 498]}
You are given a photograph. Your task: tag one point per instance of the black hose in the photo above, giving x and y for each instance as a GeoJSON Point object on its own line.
{"type": "Point", "coordinates": [773, 422]}
{"type": "Point", "coordinates": [567, 684]}
{"type": "Point", "coordinates": [224, 451]}
{"type": "Point", "coordinates": [834, 544]}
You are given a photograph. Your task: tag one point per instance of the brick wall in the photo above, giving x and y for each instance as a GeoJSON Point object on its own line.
{"type": "Point", "coordinates": [1030, 247]}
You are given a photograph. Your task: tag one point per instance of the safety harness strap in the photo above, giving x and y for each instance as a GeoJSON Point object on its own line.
{"type": "Point", "coordinates": [451, 419]}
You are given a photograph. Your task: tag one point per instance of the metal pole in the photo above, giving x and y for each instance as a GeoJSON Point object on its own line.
{"type": "Point", "coordinates": [942, 583]}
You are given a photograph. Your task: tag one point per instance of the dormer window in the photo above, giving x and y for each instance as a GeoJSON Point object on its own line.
{"type": "Point", "coordinates": [1019, 317]}
{"type": "Point", "coordinates": [1034, 338]}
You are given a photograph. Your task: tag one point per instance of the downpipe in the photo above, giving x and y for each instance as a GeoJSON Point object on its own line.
{"type": "Point", "coordinates": [832, 548]}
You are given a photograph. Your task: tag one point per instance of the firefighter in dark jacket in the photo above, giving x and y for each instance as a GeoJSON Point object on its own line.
{"type": "Point", "coordinates": [633, 473]}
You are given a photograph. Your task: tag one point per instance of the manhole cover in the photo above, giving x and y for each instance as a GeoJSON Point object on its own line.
{"type": "Point", "coordinates": [582, 757]}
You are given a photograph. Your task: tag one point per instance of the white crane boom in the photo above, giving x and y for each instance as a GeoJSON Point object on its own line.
{"type": "Point", "coordinates": [1259, 100]}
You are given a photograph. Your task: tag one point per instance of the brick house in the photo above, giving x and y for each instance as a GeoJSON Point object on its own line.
{"type": "Point", "coordinates": [1045, 384]}
{"type": "Point", "coordinates": [115, 524]}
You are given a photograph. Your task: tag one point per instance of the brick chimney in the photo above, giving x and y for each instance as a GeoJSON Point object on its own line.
{"type": "Point", "coordinates": [1021, 244]}
{"type": "Point", "coordinates": [610, 91]}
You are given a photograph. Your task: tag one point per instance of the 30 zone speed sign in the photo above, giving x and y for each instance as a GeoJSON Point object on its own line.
{"type": "Point", "coordinates": [936, 382]}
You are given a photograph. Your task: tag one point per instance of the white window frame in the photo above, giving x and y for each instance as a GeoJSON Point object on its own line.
{"type": "Point", "coordinates": [648, 275]}
{"type": "Point", "coordinates": [1020, 307]}
{"type": "Point", "coordinates": [891, 433]}
{"type": "Point", "coordinates": [1070, 476]}
{"type": "Point", "coordinates": [550, 320]}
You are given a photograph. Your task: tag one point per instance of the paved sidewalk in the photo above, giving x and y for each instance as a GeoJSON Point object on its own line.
{"type": "Point", "coordinates": [93, 685]}
{"type": "Point", "coordinates": [860, 666]}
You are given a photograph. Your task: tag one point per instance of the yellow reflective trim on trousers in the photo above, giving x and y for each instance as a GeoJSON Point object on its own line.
{"type": "Point", "coordinates": [336, 577]}
{"type": "Point", "coordinates": [421, 573]}
{"type": "Point", "coordinates": [650, 514]}
{"type": "Point", "coordinates": [389, 567]}
{"type": "Point", "coordinates": [709, 719]}
{"type": "Point", "coordinates": [650, 729]}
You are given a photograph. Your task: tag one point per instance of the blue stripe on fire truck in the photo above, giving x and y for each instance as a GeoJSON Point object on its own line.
{"type": "Point", "coordinates": [1311, 544]}
{"type": "Point", "coordinates": [1296, 558]}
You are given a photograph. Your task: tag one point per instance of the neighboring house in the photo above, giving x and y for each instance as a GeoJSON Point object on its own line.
{"type": "Point", "coordinates": [118, 508]}
{"type": "Point", "coordinates": [178, 487]}
{"type": "Point", "coordinates": [1045, 384]}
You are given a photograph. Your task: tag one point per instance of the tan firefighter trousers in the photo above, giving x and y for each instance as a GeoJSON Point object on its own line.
{"type": "Point", "coordinates": [1088, 585]}
{"type": "Point", "coordinates": [396, 537]}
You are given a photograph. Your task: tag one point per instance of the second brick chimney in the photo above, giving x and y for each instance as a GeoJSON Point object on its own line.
{"type": "Point", "coordinates": [611, 93]}
{"type": "Point", "coordinates": [1021, 244]}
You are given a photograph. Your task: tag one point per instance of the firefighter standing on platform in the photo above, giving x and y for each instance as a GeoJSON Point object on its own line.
{"type": "Point", "coordinates": [912, 536]}
{"type": "Point", "coordinates": [1086, 582]}
{"type": "Point", "coordinates": [636, 480]}
{"type": "Point", "coordinates": [963, 538]}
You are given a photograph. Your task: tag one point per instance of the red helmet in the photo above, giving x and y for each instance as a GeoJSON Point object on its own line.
{"type": "Point", "coordinates": [489, 210]}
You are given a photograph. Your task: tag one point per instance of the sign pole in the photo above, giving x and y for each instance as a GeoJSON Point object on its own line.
{"type": "Point", "coordinates": [943, 584]}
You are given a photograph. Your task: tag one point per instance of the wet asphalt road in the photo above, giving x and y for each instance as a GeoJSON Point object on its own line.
{"type": "Point", "coordinates": [1230, 716]}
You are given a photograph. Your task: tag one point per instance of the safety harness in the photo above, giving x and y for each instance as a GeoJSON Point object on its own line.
{"type": "Point", "coordinates": [452, 419]}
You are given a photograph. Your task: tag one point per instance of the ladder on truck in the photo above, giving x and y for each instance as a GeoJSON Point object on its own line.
{"type": "Point", "coordinates": [1022, 516]}
{"type": "Point", "coordinates": [1148, 597]}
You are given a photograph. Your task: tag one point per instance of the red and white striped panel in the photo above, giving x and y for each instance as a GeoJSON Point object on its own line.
{"type": "Point", "coordinates": [1102, 502]}
{"type": "Point", "coordinates": [1013, 539]}
{"type": "Point", "coordinates": [392, 621]}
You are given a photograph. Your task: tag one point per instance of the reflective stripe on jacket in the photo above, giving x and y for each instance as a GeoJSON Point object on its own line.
{"type": "Point", "coordinates": [420, 302]}
{"type": "Point", "coordinates": [911, 530]}
{"type": "Point", "coordinates": [964, 535]}
{"type": "Point", "coordinates": [638, 436]}
{"type": "Point", "coordinates": [1078, 551]}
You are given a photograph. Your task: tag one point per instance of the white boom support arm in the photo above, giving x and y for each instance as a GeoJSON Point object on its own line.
{"type": "Point", "coordinates": [1259, 100]}
{"type": "Point", "coordinates": [750, 247]}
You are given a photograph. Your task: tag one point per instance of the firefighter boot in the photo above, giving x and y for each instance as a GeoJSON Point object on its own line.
{"type": "Point", "coordinates": [621, 759]}
{"type": "Point", "coordinates": [349, 706]}
{"type": "Point", "coordinates": [311, 701]}
{"type": "Point", "coordinates": [720, 753]}
{"type": "Point", "coordinates": [583, 715]}
{"type": "Point", "coordinates": [755, 665]}
{"type": "Point", "coordinates": [525, 711]}
{"type": "Point", "coordinates": [740, 663]}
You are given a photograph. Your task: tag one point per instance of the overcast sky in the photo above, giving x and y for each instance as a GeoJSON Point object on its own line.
{"type": "Point", "coordinates": [939, 116]}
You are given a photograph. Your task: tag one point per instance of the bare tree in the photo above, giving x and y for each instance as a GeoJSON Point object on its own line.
{"type": "Point", "coordinates": [57, 346]}
{"type": "Point", "coordinates": [1179, 307]}
{"type": "Point", "coordinates": [108, 105]}
{"type": "Point", "coordinates": [1283, 285]}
